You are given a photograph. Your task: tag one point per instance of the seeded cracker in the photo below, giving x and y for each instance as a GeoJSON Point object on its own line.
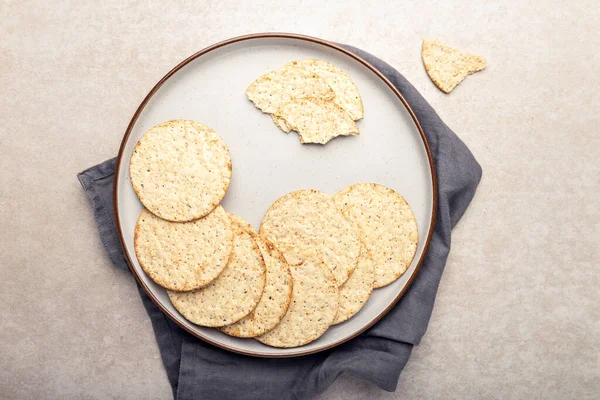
{"type": "Point", "coordinates": [316, 120]}
{"type": "Point", "coordinates": [183, 256]}
{"type": "Point", "coordinates": [386, 224]}
{"type": "Point", "coordinates": [306, 225]}
{"type": "Point", "coordinates": [278, 87]}
{"type": "Point", "coordinates": [180, 170]}
{"type": "Point", "coordinates": [357, 289]}
{"type": "Point", "coordinates": [313, 307]}
{"type": "Point", "coordinates": [276, 295]}
{"type": "Point", "coordinates": [347, 95]}
{"type": "Point", "coordinates": [233, 295]}
{"type": "Point", "coordinates": [447, 66]}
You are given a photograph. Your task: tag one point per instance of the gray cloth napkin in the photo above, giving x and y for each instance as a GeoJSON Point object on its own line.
{"type": "Point", "coordinates": [197, 370]}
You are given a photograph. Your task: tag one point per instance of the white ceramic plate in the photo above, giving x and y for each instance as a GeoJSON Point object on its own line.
{"type": "Point", "coordinates": [267, 163]}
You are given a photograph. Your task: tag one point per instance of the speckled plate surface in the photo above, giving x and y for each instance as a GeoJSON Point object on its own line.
{"type": "Point", "coordinates": [267, 163]}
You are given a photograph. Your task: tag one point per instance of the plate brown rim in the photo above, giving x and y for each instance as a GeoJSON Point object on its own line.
{"type": "Point", "coordinates": [276, 35]}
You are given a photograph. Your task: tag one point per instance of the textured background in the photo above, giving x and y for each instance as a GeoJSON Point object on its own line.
{"type": "Point", "coordinates": [518, 312]}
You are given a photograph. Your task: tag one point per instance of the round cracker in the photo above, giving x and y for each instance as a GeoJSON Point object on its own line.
{"type": "Point", "coordinates": [387, 227]}
{"type": "Point", "coordinates": [306, 225]}
{"type": "Point", "coordinates": [357, 289]}
{"type": "Point", "coordinates": [276, 295]}
{"type": "Point", "coordinates": [234, 294]}
{"type": "Point", "coordinates": [347, 95]}
{"type": "Point", "coordinates": [278, 87]}
{"type": "Point", "coordinates": [316, 120]}
{"type": "Point", "coordinates": [183, 256]}
{"type": "Point", "coordinates": [313, 307]}
{"type": "Point", "coordinates": [180, 170]}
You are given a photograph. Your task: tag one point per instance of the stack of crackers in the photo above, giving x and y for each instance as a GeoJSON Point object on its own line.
{"type": "Point", "coordinates": [313, 97]}
{"type": "Point", "coordinates": [316, 258]}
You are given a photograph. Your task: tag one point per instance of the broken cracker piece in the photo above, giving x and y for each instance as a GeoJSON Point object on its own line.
{"type": "Point", "coordinates": [447, 66]}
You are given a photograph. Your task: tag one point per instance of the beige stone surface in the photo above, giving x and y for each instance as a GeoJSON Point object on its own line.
{"type": "Point", "coordinates": [517, 313]}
